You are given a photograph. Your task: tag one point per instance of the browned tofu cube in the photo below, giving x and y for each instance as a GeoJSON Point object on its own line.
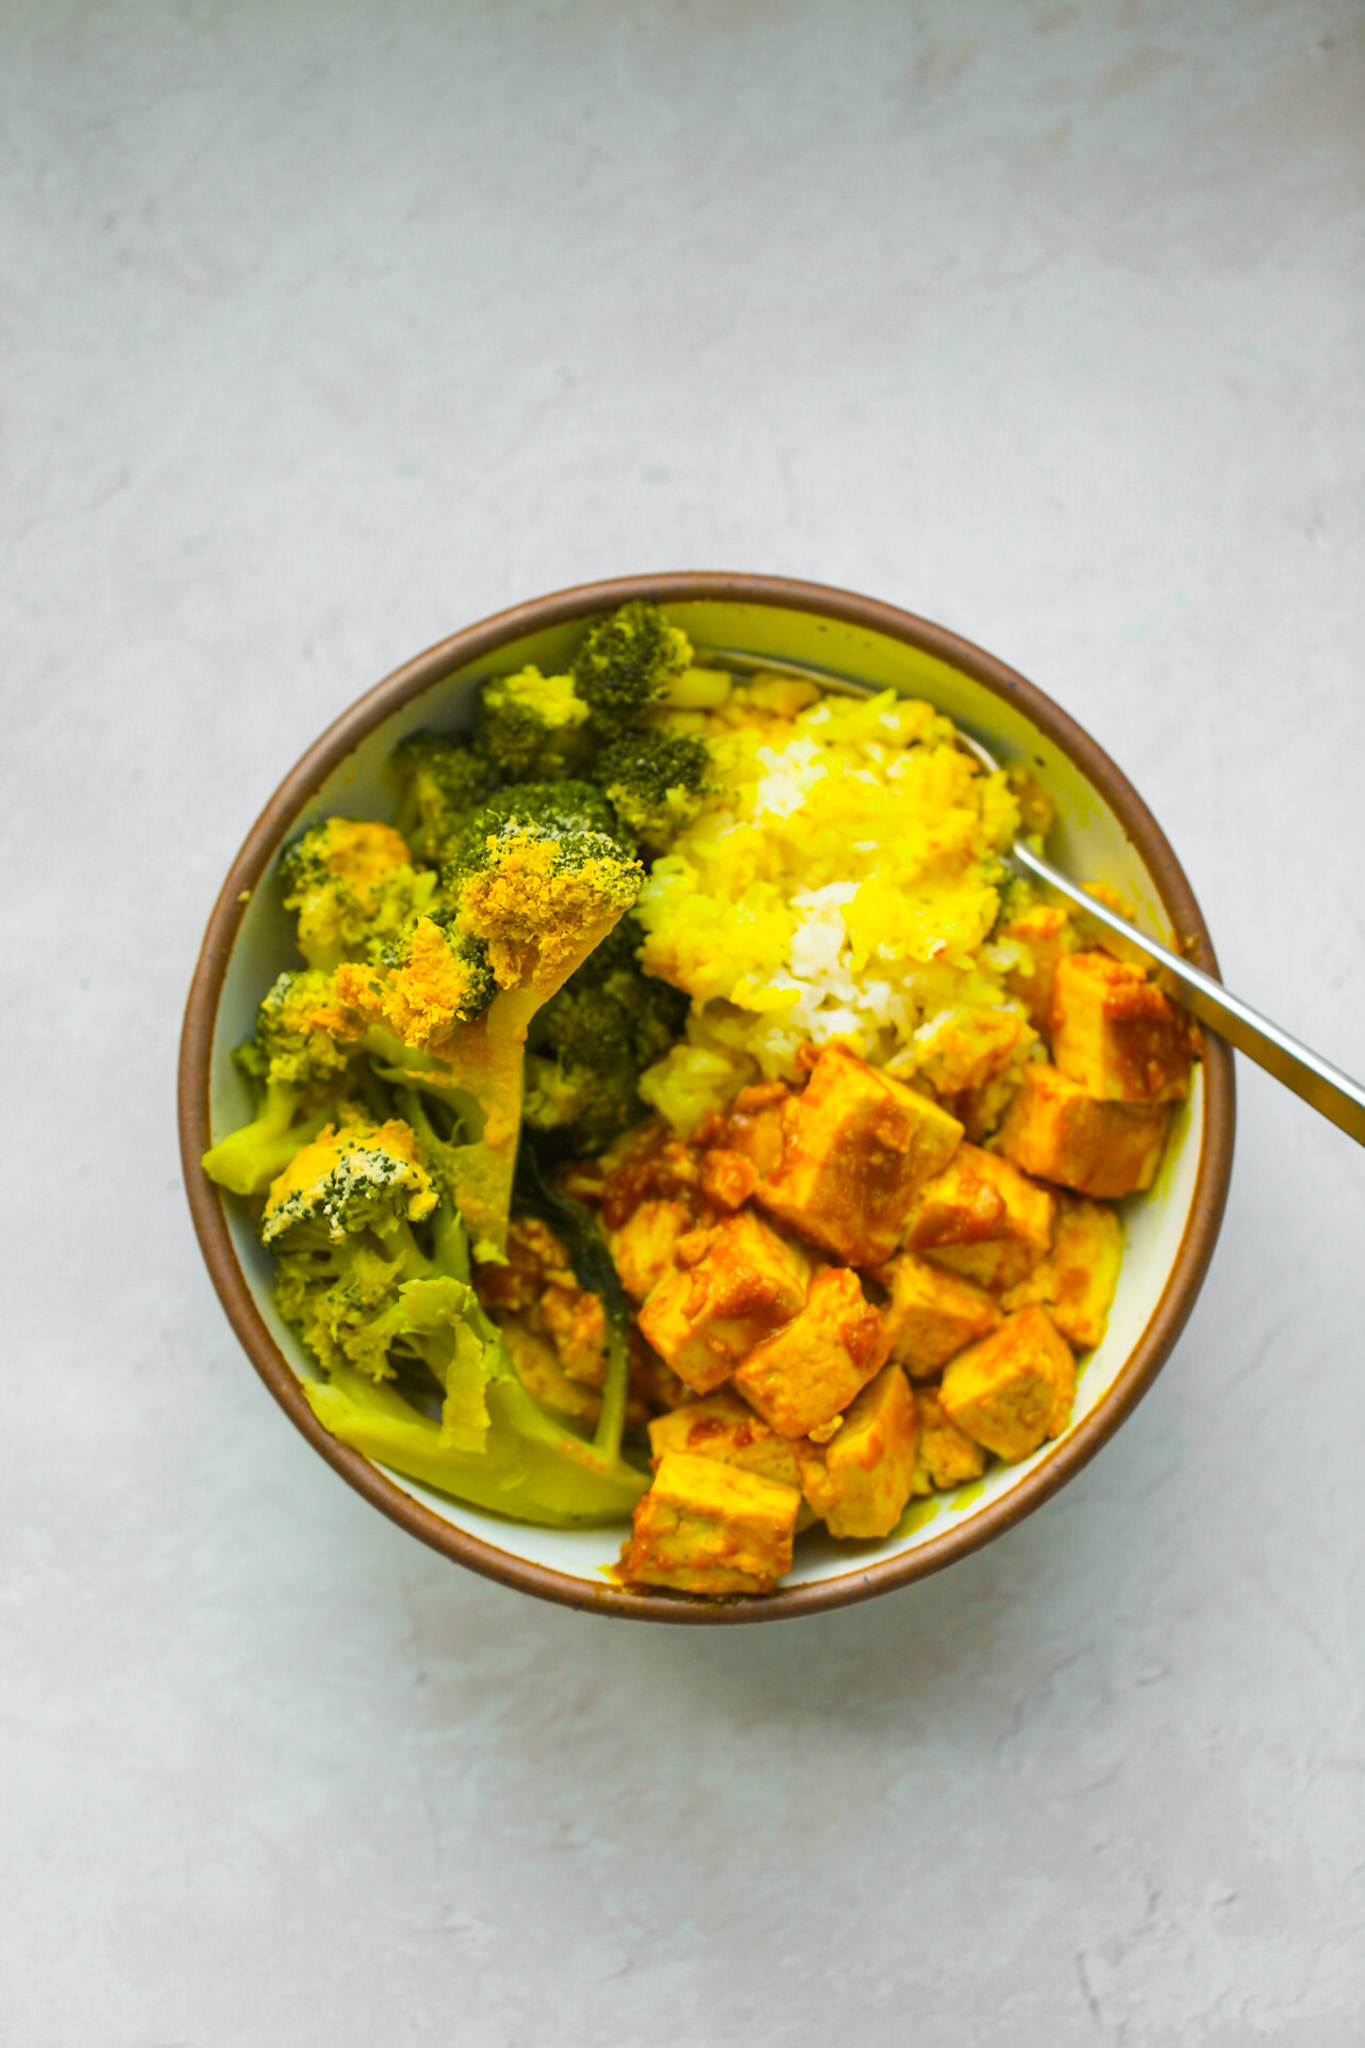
{"type": "Point", "coordinates": [1076, 1281]}
{"type": "Point", "coordinates": [1115, 1033]}
{"type": "Point", "coordinates": [855, 1147]}
{"type": "Point", "coordinates": [642, 1247]}
{"type": "Point", "coordinates": [726, 1290]}
{"type": "Point", "coordinates": [931, 1314]}
{"type": "Point", "coordinates": [943, 1455]}
{"type": "Point", "coordinates": [808, 1372]}
{"type": "Point", "coordinates": [860, 1480]}
{"type": "Point", "coordinates": [722, 1426]}
{"type": "Point", "coordinates": [708, 1527]}
{"type": "Point", "coordinates": [1047, 932]}
{"type": "Point", "coordinates": [728, 1178]}
{"type": "Point", "coordinates": [1014, 1388]}
{"type": "Point", "coordinates": [983, 1219]}
{"type": "Point", "coordinates": [576, 1323]}
{"type": "Point", "coordinates": [753, 1127]}
{"type": "Point", "coordinates": [971, 1046]}
{"type": "Point", "coordinates": [1055, 1130]}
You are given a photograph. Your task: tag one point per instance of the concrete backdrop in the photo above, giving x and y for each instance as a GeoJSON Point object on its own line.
{"type": "Point", "coordinates": [327, 329]}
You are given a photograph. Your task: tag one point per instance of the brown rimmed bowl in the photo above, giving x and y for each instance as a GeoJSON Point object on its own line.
{"type": "Point", "coordinates": [1104, 831]}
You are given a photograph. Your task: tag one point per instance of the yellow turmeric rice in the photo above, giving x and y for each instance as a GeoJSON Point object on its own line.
{"type": "Point", "coordinates": [841, 883]}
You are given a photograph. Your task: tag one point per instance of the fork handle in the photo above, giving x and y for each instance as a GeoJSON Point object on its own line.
{"type": "Point", "coordinates": [1333, 1094]}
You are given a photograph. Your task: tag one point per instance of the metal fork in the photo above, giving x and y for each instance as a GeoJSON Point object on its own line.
{"type": "Point", "coordinates": [1324, 1087]}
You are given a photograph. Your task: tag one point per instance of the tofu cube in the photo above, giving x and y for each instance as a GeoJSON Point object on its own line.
{"type": "Point", "coordinates": [1014, 1388]}
{"type": "Point", "coordinates": [1115, 1033]}
{"type": "Point", "coordinates": [726, 1290]}
{"type": "Point", "coordinates": [809, 1372]}
{"type": "Point", "coordinates": [981, 1218]}
{"type": "Point", "coordinates": [860, 1480]}
{"type": "Point", "coordinates": [855, 1147]}
{"type": "Point", "coordinates": [971, 1045]}
{"type": "Point", "coordinates": [943, 1455]}
{"type": "Point", "coordinates": [931, 1314]}
{"type": "Point", "coordinates": [728, 1178]}
{"type": "Point", "coordinates": [1055, 1130]}
{"type": "Point", "coordinates": [1076, 1281]}
{"type": "Point", "coordinates": [708, 1527]}
{"type": "Point", "coordinates": [642, 1247]}
{"type": "Point", "coordinates": [1046, 932]}
{"type": "Point", "coordinates": [753, 1127]}
{"type": "Point", "coordinates": [722, 1426]}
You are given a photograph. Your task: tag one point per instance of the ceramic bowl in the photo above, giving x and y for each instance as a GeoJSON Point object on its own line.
{"type": "Point", "coordinates": [1103, 831]}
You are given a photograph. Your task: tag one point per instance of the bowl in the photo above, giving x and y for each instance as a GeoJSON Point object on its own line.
{"type": "Point", "coordinates": [1103, 831]}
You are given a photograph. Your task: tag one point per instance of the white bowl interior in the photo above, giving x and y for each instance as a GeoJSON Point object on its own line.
{"type": "Point", "coordinates": [1088, 841]}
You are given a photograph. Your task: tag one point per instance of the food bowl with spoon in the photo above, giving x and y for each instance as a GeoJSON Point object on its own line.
{"type": "Point", "coordinates": [1102, 831]}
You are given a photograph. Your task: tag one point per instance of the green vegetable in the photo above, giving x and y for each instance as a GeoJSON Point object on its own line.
{"type": "Point", "coordinates": [442, 780]}
{"type": "Point", "coordinates": [301, 1074]}
{"type": "Point", "coordinates": [655, 782]}
{"type": "Point", "coordinates": [537, 883]}
{"type": "Point", "coordinates": [565, 810]}
{"type": "Point", "coordinates": [353, 884]}
{"type": "Point", "coordinates": [529, 726]}
{"type": "Point", "coordinates": [530, 1468]}
{"type": "Point", "coordinates": [592, 1041]}
{"type": "Point", "coordinates": [390, 1071]}
{"type": "Point", "coordinates": [360, 1177]}
{"type": "Point", "coordinates": [368, 1301]}
{"type": "Point", "coordinates": [627, 663]}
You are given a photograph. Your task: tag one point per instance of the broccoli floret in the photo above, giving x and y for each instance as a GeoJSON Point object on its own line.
{"type": "Point", "coordinates": [430, 979]}
{"type": "Point", "coordinates": [539, 880]}
{"type": "Point", "coordinates": [537, 884]}
{"type": "Point", "coordinates": [334, 1296]}
{"type": "Point", "coordinates": [655, 782]}
{"type": "Point", "coordinates": [358, 1177]}
{"type": "Point", "coordinates": [580, 1081]}
{"type": "Point", "coordinates": [442, 780]}
{"type": "Point", "coordinates": [530, 726]}
{"type": "Point", "coordinates": [299, 1036]}
{"type": "Point", "coordinates": [593, 1041]}
{"type": "Point", "coordinates": [353, 884]}
{"type": "Point", "coordinates": [565, 809]}
{"type": "Point", "coordinates": [370, 1304]}
{"type": "Point", "coordinates": [627, 663]}
{"type": "Point", "coordinates": [303, 1061]}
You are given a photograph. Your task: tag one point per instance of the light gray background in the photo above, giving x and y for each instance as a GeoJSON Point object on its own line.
{"type": "Point", "coordinates": [329, 329]}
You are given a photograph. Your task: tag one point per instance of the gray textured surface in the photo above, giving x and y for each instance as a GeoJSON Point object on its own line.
{"type": "Point", "coordinates": [327, 330]}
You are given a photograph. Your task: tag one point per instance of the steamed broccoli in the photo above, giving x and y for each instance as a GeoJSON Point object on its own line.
{"type": "Point", "coordinates": [593, 1041]}
{"type": "Point", "coordinates": [432, 977]}
{"type": "Point", "coordinates": [373, 1302]}
{"type": "Point", "coordinates": [529, 725]}
{"type": "Point", "coordinates": [442, 780]}
{"type": "Point", "coordinates": [352, 1278]}
{"type": "Point", "coordinates": [539, 879]}
{"type": "Point", "coordinates": [627, 663]}
{"type": "Point", "coordinates": [352, 1177]}
{"type": "Point", "coordinates": [562, 808]}
{"type": "Point", "coordinates": [353, 884]}
{"type": "Point", "coordinates": [301, 1059]}
{"type": "Point", "coordinates": [536, 884]}
{"type": "Point", "coordinates": [655, 781]}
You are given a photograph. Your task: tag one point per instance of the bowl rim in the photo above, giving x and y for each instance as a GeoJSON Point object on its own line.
{"type": "Point", "coordinates": [207, 1208]}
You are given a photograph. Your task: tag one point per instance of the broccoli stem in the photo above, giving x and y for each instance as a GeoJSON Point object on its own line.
{"type": "Point", "coordinates": [248, 1159]}
{"type": "Point", "coordinates": [530, 1470]}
